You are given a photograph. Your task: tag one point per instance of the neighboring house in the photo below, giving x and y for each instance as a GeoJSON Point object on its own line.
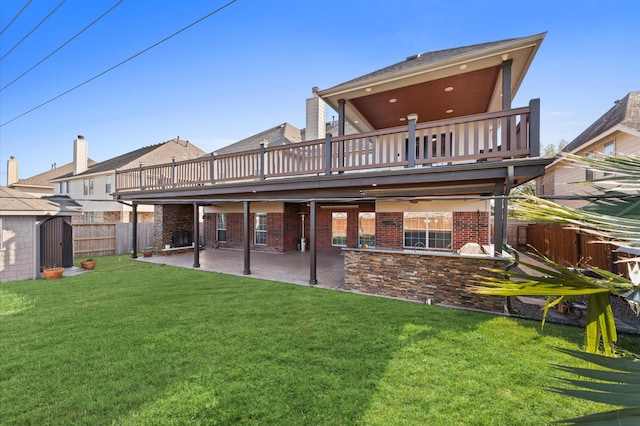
{"type": "Point", "coordinates": [435, 147]}
{"type": "Point", "coordinates": [616, 132]}
{"type": "Point", "coordinates": [93, 185]}
{"type": "Point", "coordinates": [38, 185]}
{"type": "Point", "coordinates": [35, 234]}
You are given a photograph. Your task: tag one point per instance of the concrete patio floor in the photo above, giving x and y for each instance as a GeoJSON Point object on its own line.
{"type": "Point", "coordinates": [292, 267]}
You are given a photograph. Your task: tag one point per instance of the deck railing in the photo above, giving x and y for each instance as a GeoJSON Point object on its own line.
{"type": "Point", "coordinates": [492, 136]}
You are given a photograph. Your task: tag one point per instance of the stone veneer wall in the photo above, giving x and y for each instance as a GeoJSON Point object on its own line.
{"type": "Point", "coordinates": [443, 279]}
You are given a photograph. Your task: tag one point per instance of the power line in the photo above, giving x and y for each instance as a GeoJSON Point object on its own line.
{"type": "Point", "coordinates": [121, 63]}
{"type": "Point", "coordinates": [63, 45]}
{"type": "Point", "coordinates": [34, 28]}
{"type": "Point", "coordinates": [15, 17]}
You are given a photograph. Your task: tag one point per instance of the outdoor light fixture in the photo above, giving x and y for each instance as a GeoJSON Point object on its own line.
{"type": "Point", "coordinates": [448, 89]}
{"type": "Point", "coordinates": [413, 116]}
{"type": "Point", "coordinates": [449, 111]}
{"type": "Point", "coordinates": [393, 100]}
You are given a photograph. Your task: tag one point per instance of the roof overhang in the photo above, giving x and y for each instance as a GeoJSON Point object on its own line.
{"type": "Point", "coordinates": [466, 81]}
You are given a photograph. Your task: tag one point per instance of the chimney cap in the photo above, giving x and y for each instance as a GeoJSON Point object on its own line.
{"type": "Point", "coordinates": [12, 158]}
{"type": "Point", "coordinates": [80, 137]}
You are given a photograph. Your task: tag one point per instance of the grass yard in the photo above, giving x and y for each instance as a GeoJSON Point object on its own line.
{"type": "Point", "coordinates": [135, 343]}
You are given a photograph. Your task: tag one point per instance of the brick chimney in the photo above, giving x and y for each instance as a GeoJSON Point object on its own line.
{"type": "Point", "coordinates": [80, 155]}
{"type": "Point", "coordinates": [316, 127]}
{"type": "Point", "coordinates": [12, 170]}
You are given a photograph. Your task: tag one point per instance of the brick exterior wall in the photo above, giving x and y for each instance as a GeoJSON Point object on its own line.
{"type": "Point", "coordinates": [17, 257]}
{"type": "Point", "coordinates": [470, 227]}
{"type": "Point", "coordinates": [284, 230]}
{"type": "Point", "coordinates": [169, 218]}
{"type": "Point", "coordinates": [443, 279]}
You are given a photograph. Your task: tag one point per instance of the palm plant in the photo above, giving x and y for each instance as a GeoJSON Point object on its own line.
{"type": "Point", "coordinates": [614, 216]}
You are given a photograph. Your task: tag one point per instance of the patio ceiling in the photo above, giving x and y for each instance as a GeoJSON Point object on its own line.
{"type": "Point", "coordinates": [435, 85]}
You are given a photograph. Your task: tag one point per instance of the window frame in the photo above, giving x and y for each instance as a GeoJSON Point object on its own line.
{"type": "Point", "coordinates": [1, 234]}
{"type": "Point", "coordinates": [260, 229]}
{"type": "Point", "coordinates": [366, 239]}
{"type": "Point", "coordinates": [339, 240]}
{"type": "Point", "coordinates": [221, 229]}
{"type": "Point", "coordinates": [107, 184]}
{"type": "Point", "coordinates": [87, 186]}
{"type": "Point", "coordinates": [427, 237]}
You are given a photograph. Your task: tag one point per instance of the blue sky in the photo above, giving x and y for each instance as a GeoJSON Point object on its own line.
{"type": "Point", "coordinates": [251, 66]}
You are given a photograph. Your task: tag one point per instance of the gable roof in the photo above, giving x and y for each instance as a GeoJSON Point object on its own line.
{"type": "Point", "coordinates": [42, 179]}
{"type": "Point", "coordinates": [18, 203]}
{"type": "Point", "coordinates": [174, 149]}
{"type": "Point", "coordinates": [472, 76]}
{"type": "Point", "coordinates": [281, 134]}
{"type": "Point", "coordinates": [625, 112]}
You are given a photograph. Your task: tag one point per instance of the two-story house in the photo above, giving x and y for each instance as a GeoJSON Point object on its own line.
{"type": "Point", "coordinates": [93, 184]}
{"type": "Point", "coordinates": [616, 132]}
{"type": "Point", "coordinates": [436, 150]}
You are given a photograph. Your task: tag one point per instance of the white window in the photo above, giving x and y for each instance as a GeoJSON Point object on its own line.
{"type": "Point", "coordinates": [609, 149]}
{"type": "Point", "coordinates": [588, 172]}
{"type": "Point", "coordinates": [221, 227]}
{"type": "Point", "coordinates": [339, 229]}
{"type": "Point", "coordinates": [107, 185]}
{"type": "Point", "coordinates": [88, 186]}
{"type": "Point", "coordinates": [366, 229]}
{"type": "Point", "coordinates": [88, 217]}
{"type": "Point", "coordinates": [260, 237]}
{"type": "Point", "coordinates": [1, 235]}
{"type": "Point", "coordinates": [429, 230]}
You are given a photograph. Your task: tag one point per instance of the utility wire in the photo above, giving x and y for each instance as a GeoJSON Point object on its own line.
{"type": "Point", "coordinates": [63, 45]}
{"type": "Point", "coordinates": [15, 17]}
{"type": "Point", "coordinates": [121, 63]}
{"type": "Point", "coordinates": [34, 28]}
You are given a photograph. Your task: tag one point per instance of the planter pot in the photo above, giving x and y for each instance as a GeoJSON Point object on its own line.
{"type": "Point", "coordinates": [88, 264]}
{"type": "Point", "coordinates": [147, 251]}
{"type": "Point", "coordinates": [53, 273]}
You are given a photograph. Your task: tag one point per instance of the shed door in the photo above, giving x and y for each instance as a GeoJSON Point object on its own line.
{"type": "Point", "coordinates": [56, 243]}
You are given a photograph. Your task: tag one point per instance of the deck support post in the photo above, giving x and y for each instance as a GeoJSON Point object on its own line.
{"type": "Point", "coordinates": [327, 154]}
{"type": "Point", "coordinates": [196, 235]}
{"type": "Point", "coordinates": [506, 100]}
{"type": "Point", "coordinates": [498, 220]}
{"type": "Point", "coordinates": [534, 127]}
{"type": "Point", "coordinates": [263, 144]}
{"type": "Point", "coordinates": [411, 143]}
{"type": "Point", "coordinates": [312, 244]}
{"type": "Point", "coordinates": [247, 235]}
{"type": "Point", "coordinates": [134, 230]}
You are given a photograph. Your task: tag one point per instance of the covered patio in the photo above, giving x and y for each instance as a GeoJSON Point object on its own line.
{"type": "Point", "coordinates": [290, 267]}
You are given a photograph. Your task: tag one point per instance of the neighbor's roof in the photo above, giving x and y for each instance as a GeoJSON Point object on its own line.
{"type": "Point", "coordinates": [625, 112]}
{"type": "Point", "coordinates": [18, 203]}
{"type": "Point", "coordinates": [282, 134]}
{"type": "Point", "coordinates": [42, 179]}
{"type": "Point", "coordinates": [161, 153]}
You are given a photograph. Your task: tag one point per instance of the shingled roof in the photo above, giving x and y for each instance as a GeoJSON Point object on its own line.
{"type": "Point", "coordinates": [429, 59]}
{"type": "Point", "coordinates": [281, 134]}
{"type": "Point", "coordinates": [18, 203]}
{"type": "Point", "coordinates": [625, 113]}
{"type": "Point", "coordinates": [42, 179]}
{"type": "Point", "coordinates": [164, 152]}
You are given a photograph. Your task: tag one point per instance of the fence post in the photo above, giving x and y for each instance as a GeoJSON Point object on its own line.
{"type": "Point", "coordinates": [327, 154]}
{"type": "Point", "coordinates": [534, 127]}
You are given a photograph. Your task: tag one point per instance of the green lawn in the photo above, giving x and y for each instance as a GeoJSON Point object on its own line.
{"type": "Point", "coordinates": [136, 343]}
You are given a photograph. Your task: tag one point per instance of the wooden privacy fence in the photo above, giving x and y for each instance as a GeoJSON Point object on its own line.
{"type": "Point", "coordinates": [103, 239]}
{"type": "Point", "coordinates": [567, 246]}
